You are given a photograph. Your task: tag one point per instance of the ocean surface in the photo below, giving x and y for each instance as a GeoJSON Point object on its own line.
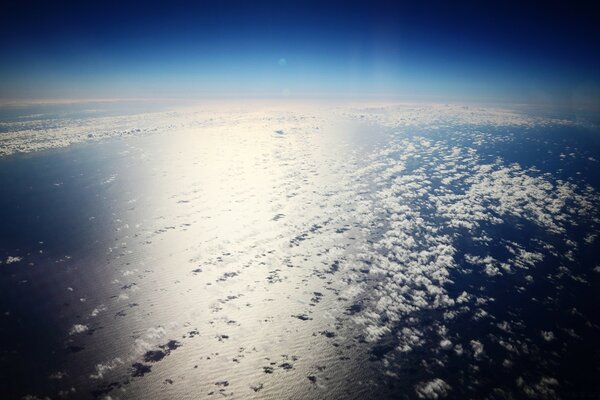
{"type": "Point", "coordinates": [348, 252]}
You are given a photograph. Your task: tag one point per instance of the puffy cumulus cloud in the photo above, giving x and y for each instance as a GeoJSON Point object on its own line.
{"type": "Point", "coordinates": [423, 209]}
{"type": "Point", "coordinates": [78, 328]}
{"type": "Point", "coordinates": [149, 339]}
{"type": "Point", "coordinates": [548, 336]}
{"type": "Point", "coordinates": [44, 133]}
{"type": "Point", "coordinates": [13, 259]}
{"type": "Point", "coordinates": [436, 116]}
{"type": "Point", "coordinates": [490, 265]}
{"type": "Point", "coordinates": [409, 338]}
{"type": "Point", "coordinates": [445, 344]}
{"type": "Point", "coordinates": [96, 311]}
{"type": "Point", "coordinates": [421, 198]}
{"type": "Point", "coordinates": [546, 388]}
{"type": "Point", "coordinates": [156, 332]}
{"type": "Point", "coordinates": [477, 348]}
{"type": "Point", "coordinates": [40, 134]}
{"type": "Point", "coordinates": [103, 368]}
{"type": "Point", "coordinates": [434, 389]}
{"type": "Point", "coordinates": [497, 190]}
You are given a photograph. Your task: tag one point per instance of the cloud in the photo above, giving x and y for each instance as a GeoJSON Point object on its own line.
{"type": "Point", "coordinates": [39, 134]}
{"type": "Point", "coordinates": [103, 368]}
{"type": "Point", "coordinates": [544, 389]}
{"type": "Point", "coordinates": [96, 311]}
{"type": "Point", "coordinates": [397, 222]}
{"type": "Point", "coordinates": [548, 336]}
{"type": "Point", "coordinates": [477, 348]}
{"type": "Point", "coordinates": [434, 389]}
{"type": "Point", "coordinates": [78, 328]}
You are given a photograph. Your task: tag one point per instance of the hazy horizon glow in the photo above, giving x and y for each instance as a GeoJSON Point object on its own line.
{"type": "Point", "coordinates": [300, 50]}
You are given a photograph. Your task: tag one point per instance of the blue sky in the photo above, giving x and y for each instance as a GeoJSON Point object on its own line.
{"type": "Point", "coordinates": [489, 52]}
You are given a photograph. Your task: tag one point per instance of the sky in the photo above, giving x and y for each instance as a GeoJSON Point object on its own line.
{"type": "Point", "coordinates": [493, 51]}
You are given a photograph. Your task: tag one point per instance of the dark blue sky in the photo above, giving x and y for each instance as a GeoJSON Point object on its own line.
{"type": "Point", "coordinates": [480, 52]}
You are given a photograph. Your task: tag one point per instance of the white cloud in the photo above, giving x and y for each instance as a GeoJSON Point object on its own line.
{"type": "Point", "coordinates": [477, 348]}
{"type": "Point", "coordinates": [78, 328]}
{"type": "Point", "coordinates": [434, 389]}
{"type": "Point", "coordinates": [548, 336]}
{"type": "Point", "coordinates": [103, 368]}
{"type": "Point", "coordinates": [96, 311]}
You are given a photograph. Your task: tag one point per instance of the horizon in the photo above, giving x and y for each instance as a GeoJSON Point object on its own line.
{"type": "Point", "coordinates": [447, 53]}
{"type": "Point", "coordinates": [299, 200]}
